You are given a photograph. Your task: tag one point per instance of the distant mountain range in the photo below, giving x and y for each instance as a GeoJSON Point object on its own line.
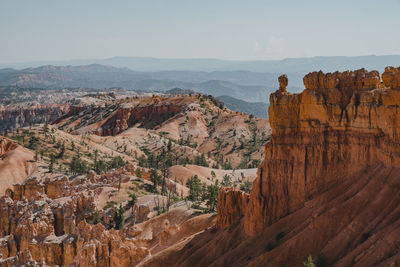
{"type": "Point", "coordinates": [249, 86]}
{"type": "Point", "coordinates": [251, 81]}
{"type": "Point", "coordinates": [258, 109]}
{"type": "Point", "coordinates": [289, 65]}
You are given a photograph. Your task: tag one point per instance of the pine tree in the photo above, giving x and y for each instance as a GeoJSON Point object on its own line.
{"type": "Point", "coordinates": [195, 188]}
{"type": "Point", "coordinates": [227, 181]}
{"type": "Point", "coordinates": [132, 202]}
{"type": "Point", "coordinates": [155, 178]}
{"type": "Point", "coordinates": [51, 165]}
{"type": "Point", "coordinates": [62, 151]}
{"type": "Point", "coordinates": [212, 196]}
{"type": "Point", "coordinates": [119, 219]}
{"type": "Point", "coordinates": [139, 174]}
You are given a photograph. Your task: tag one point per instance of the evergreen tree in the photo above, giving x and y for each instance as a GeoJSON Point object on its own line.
{"type": "Point", "coordinates": [78, 166]}
{"type": "Point", "coordinates": [62, 151]}
{"type": "Point", "coordinates": [51, 165]}
{"type": "Point", "coordinates": [32, 144]}
{"type": "Point", "coordinates": [117, 162]}
{"type": "Point", "coordinates": [227, 181]}
{"type": "Point", "coordinates": [155, 178]}
{"type": "Point", "coordinates": [119, 219]}
{"type": "Point", "coordinates": [96, 153]}
{"type": "Point", "coordinates": [169, 146]}
{"type": "Point", "coordinates": [195, 189]}
{"type": "Point", "coordinates": [96, 217]}
{"type": "Point", "coordinates": [139, 174]}
{"type": "Point", "coordinates": [100, 166]}
{"type": "Point", "coordinates": [212, 196]}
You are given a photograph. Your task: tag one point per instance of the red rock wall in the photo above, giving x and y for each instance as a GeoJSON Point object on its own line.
{"type": "Point", "coordinates": [235, 204]}
{"type": "Point", "coordinates": [147, 116]}
{"type": "Point", "coordinates": [341, 123]}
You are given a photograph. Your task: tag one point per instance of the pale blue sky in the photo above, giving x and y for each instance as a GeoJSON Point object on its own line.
{"type": "Point", "coordinates": [227, 29]}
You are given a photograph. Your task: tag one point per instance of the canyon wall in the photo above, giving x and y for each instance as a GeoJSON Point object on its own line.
{"type": "Point", "coordinates": [16, 117]}
{"type": "Point", "coordinates": [340, 124]}
{"type": "Point", "coordinates": [147, 116]}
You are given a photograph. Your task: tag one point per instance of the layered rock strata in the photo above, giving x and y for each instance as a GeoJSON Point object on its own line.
{"type": "Point", "coordinates": [340, 124]}
{"type": "Point", "coordinates": [13, 117]}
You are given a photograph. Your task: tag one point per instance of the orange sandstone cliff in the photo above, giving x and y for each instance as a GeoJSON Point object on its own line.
{"type": "Point", "coordinates": [342, 123]}
{"type": "Point", "coordinates": [329, 185]}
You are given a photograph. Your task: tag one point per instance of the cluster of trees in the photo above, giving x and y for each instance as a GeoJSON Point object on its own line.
{"type": "Point", "coordinates": [201, 160]}
{"type": "Point", "coordinates": [80, 166]}
{"type": "Point", "coordinates": [200, 192]}
{"type": "Point", "coordinates": [103, 166]}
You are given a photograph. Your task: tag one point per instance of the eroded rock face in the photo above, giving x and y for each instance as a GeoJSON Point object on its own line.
{"type": "Point", "coordinates": [341, 123]}
{"type": "Point", "coordinates": [232, 205]}
{"type": "Point", "coordinates": [43, 222]}
{"type": "Point", "coordinates": [283, 82]}
{"type": "Point", "coordinates": [15, 117]}
{"type": "Point", "coordinates": [147, 116]}
{"type": "Point", "coordinates": [391, 77]}
{"type": "Point", "coordinates": [355, 80]}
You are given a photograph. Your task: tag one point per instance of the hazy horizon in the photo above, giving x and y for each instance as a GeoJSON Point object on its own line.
{"type": "Point", "coordinates": [45, 30]}
{"type": "Point", "coordinates": [192, 58]}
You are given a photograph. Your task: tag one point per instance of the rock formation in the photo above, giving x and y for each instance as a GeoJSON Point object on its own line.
{"type": "Point", "coordinates": [20, 116]}
{"type": "Point", "coordinates": [391, 77]}
{"type": "Point", "coordinates": [341, 123]}
{"type": "Point", "coordinates": [16, 163]}
{"type": "Point", "coordinates": [329, 184]}
{"type": "Point", "coordinates": [44, 221]}
{"type": "Point", "coordinates": [283, 82]}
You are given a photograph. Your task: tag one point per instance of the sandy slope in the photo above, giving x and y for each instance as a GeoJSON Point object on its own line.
{"type": "Point", "coordinates": [16, 163]}
{"type": "Point", "coordinates": [185, 172]}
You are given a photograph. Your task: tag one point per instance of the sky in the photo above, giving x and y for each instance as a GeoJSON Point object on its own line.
{"type": "Point", "coordinates": [44, 30]}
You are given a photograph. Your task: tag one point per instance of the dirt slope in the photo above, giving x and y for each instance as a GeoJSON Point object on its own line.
{"type": "Point", "coordinates": [16, 163]}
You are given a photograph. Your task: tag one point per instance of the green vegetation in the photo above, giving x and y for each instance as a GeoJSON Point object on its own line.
{"type": "Point", "coordinates": [212, 196]}
{"type": "Point", "coordinates": [201, 161]}
{"type": "Point", "coordinates": [226, 181]}
{"type": "Point", "coordinates": [119, 219]}
{"type": "Point", "coordinates": [195, 190]}
{"type": "Point", "coordinates": [309, 262]}
{"type": "Point", "coordinates": [51, 165]}
{"type": "Point", "coordinates": [155, 179]}
{"type": "Point", "coordinates": [78, 166]}
{"type": "Point", "coordinates": [95, 219]}
{"type": "Point", "coordinates": [246, 186]}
